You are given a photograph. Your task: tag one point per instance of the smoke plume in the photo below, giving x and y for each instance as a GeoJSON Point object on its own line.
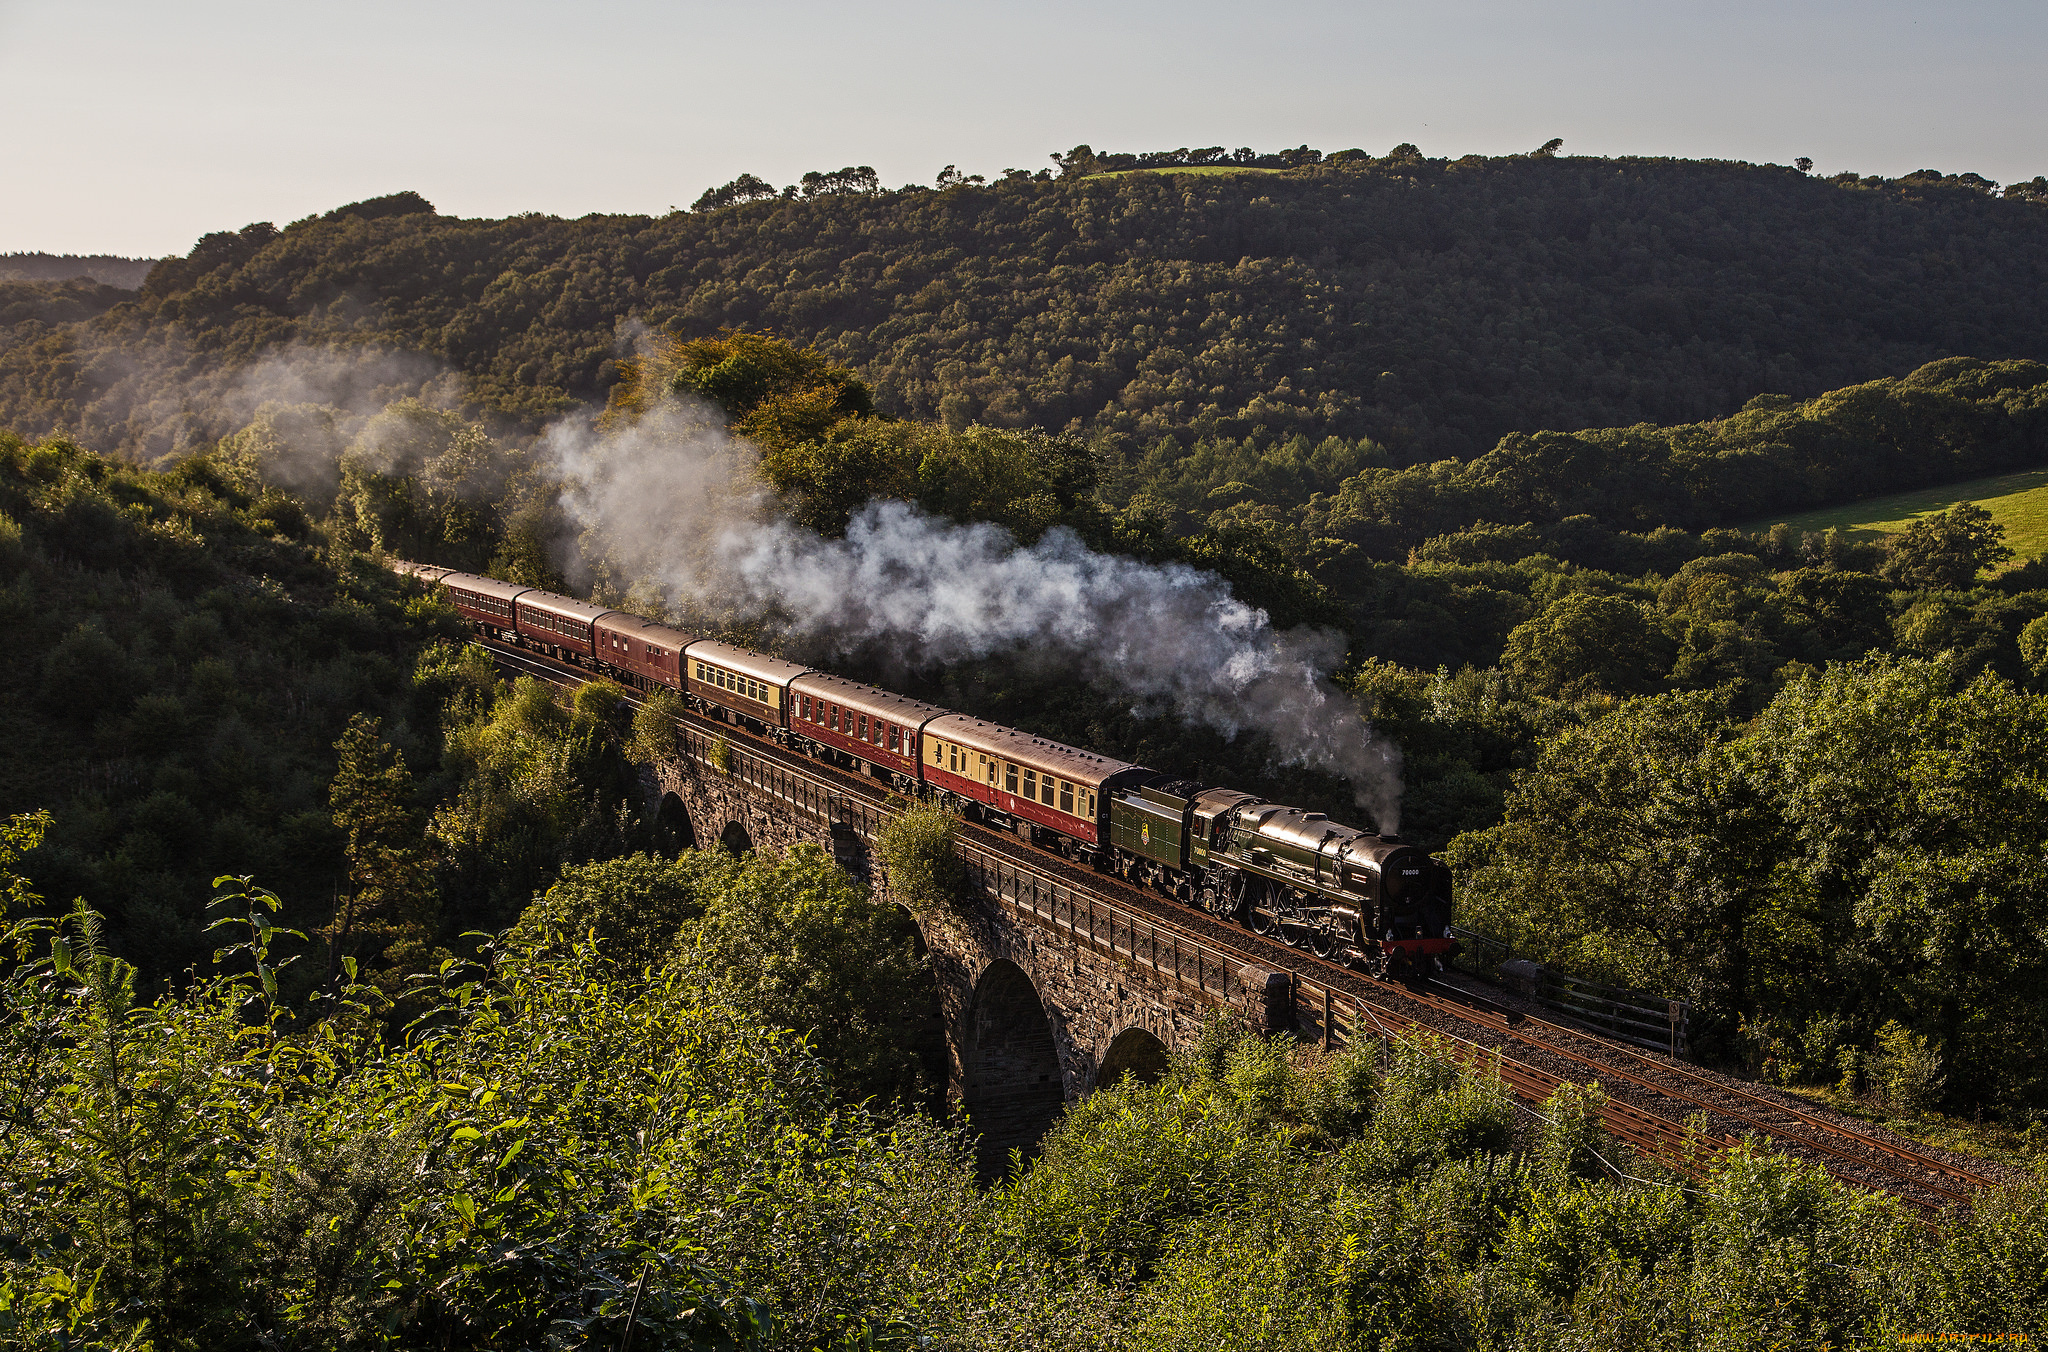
{"type": "Point", "coordinates": [673, 503]}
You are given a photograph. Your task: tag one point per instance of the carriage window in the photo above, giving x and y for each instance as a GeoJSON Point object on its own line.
{"type": "Point", "coordinates": [895, 739]}
{"type": "Point", "coordinates": [1091, 804]}
{"type": "Point", "coordinates": [863, 734]}
{"type": "Point", "coordinates": [1031, 783]}
{"type": "Point", "coordinates": [1009, 778]}
{"type": "Point", "coordinates": [1045, 790]}
{"type": "Point", "coordinates": [990, 767]}
{"type": "Point", "coordinates": [833, 722]}
{"type": "Point", "coordinates": [1066, 798]}
{"type": "Point", "coordinates": [803, 706]}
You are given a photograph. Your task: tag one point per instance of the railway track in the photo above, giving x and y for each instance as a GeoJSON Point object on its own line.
{"type": "Point", "coordinates": [1650, 1097]}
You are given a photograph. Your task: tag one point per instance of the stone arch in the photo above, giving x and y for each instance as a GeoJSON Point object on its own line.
{"type": "Point", "coordinates": [1014, 1086]}
{"type": "Point", "coordinates": [1134, 1054]}
{"type": "Point", "coordinates": [673, 830]}
{"type": "Point", "coordinates": [734, 840]}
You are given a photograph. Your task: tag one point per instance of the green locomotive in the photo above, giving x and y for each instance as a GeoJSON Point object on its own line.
{"type": "Point", "coordinates": [1373, 901]}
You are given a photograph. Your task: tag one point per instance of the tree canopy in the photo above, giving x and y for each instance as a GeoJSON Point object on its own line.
{"type": "Point", "coordinates": [1428, 305]}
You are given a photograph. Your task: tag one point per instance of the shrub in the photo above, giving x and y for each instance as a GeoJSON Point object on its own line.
{"type": "Point", "coordinates": [802, 945]}
{"type": "Point", "coordinates": [1906, 1071]}
{"type": "Point", "coordinates": [633, 909]}
{"type": "Point", "coordinates": [654, 728]}
{"type": "Point", "coordinates": [1572, 1140]}
{"type": "Point", "coordinates": [916, 847]}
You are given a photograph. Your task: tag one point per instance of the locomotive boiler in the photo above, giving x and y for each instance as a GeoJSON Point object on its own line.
{"type": "Point", "coordinates": [1374, 902]}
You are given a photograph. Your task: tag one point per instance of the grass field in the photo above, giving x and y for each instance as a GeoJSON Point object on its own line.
{"type": "Point", "coordinates": [2018, 502]}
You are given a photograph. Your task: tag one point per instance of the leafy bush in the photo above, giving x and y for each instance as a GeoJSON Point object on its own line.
{"type": "Point", "coordinates": [916, 848]}
{"type": "Point", "coordinates": [654, 728]}
{"type": "Point", "coordinates": [1906, 1069]}
{"type": "Point", "coordinates": [632, 909]}
{"type": "Point", "coordinates": [501, 1180]}
{"type": "Point", "coordinates": [799, 944]}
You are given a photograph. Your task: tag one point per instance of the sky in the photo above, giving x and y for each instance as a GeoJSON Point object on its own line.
{"type": "Point", "coordinates": [133, 128]}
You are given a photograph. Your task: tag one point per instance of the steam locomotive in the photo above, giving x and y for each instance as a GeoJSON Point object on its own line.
{"type": "Point", "coordinates": [1374, 902]}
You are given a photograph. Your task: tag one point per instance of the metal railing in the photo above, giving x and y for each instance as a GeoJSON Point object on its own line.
{"type": "Point", "coordinates": [1640, 1018]}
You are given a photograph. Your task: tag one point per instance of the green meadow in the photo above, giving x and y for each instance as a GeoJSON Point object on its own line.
{"type": "Point", "coordinates": [2018, 502]}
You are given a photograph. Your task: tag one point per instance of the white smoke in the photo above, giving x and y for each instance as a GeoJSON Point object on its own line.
{"type": "Point", "coordinates": [673, 503]}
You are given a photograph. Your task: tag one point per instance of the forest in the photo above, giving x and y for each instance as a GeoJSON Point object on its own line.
{"type": "Point", "coordinates": [1428, 306]}
{"type": "Point", "coordinates": [354, 1000]}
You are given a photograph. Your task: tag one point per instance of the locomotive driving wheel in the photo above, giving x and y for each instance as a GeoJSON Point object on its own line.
{"type": "Point", "coordinates": [1322, 941]}
{"type": "Point", "coordinates": [1262, 911]}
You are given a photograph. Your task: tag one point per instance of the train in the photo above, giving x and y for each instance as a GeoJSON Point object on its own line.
{"type": "Point", "coordinates": [1372, 901]}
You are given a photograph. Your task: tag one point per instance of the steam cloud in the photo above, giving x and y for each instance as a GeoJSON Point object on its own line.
{"type": "Point", "coordinates": [672, 502]}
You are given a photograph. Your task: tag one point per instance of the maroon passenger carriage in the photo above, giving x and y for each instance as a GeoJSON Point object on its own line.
{"type": "Point", "coordinates": [875, 729]}
{"type": "Point", "coordinates": [558, 625]}
{"type": "Point", "coordinates": [641, 653]}
{"type": "Point", "coordinates": [485, 602]}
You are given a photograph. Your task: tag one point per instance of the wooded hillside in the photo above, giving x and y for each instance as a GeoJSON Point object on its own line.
{"type": "Point", "coordinates": [1432, 306]}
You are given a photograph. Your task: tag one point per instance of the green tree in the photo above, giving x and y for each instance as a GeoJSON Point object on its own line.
{"type": "Point", "coordinates": [1920, 812]}
{"type": "Point", "coordinates": [775, 393]}
{"type": "Point", "coordinates": [1946, 550]}
{"type": "Point", "coordinates": [634, 908]}
{"type": "Point", "coordinates": [1613, 859]}
{"type": "Point", "coordinates": [1583, 643]}
{"type": "Point", "coordinates": [390, 911]}
{"type": "Point", "coordinates": [806, 947]}
{"type": "Point", "coordinates": [538, 786]}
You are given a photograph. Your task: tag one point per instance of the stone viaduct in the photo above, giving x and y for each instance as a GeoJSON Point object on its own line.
{"type": "Point", "coordinates": [1047, 990]}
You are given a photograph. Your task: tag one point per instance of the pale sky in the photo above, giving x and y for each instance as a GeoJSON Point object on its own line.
{"type": "Point", "coordinates": [132, 128]}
